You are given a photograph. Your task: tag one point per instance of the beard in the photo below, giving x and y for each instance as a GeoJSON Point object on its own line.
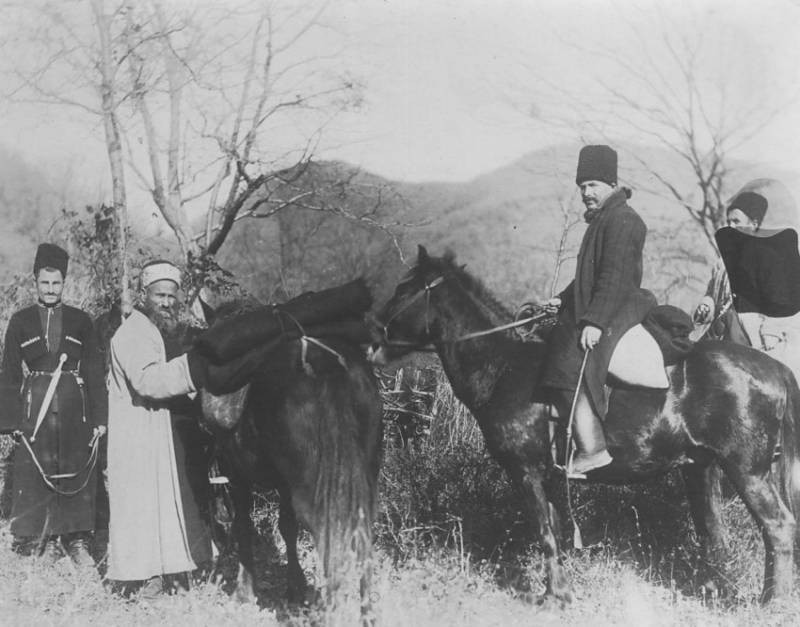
{"type": "Point", "coordinates": [165, 319]}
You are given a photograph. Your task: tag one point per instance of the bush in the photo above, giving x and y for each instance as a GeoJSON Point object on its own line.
{"type": "Point", "coordinates": [440, 489]}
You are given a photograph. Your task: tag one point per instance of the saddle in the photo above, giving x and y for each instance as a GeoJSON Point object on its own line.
{"type": "Point", "coordinates": [637, 360]}
{"type": "Point", "coordinates": [643, 352]}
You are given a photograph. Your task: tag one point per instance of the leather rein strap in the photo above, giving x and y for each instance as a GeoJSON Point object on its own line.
{"type": "Point", "coordinates": [426, 291]}
{"type": "Point", "coordinates": [90, 465]}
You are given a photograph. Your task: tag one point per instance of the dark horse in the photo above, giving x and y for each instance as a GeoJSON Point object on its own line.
{"type": "Point", "coordinates": [727, 404]}
{"type": "Point", "coordinates": [313, 435]}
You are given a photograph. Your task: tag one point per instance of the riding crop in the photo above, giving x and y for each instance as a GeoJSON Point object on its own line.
{"type": "Point", "coordinates": [577, 540]}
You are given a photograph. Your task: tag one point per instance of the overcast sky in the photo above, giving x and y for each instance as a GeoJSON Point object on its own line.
{"type": "Point", "coordinates": [450, 81]}
{"type": "Point", "coordinates": [455, 88]}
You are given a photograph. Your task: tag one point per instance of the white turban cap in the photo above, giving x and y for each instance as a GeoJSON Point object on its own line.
{"type": "Point", "coordinates": [160, 271]}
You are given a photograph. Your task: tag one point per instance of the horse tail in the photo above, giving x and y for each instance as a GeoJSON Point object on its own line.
{"type": "Point", "coordinates": [344, 497]}
{"type": "Point", "coordinates": [789, 463]}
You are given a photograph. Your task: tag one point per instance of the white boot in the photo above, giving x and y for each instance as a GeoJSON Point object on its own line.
{"type": "Point", "coordinates": [589, 438]}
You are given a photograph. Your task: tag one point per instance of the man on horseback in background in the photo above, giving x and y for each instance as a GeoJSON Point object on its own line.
{"type": "Point", "coordinates": [760, 267]}
{"type": "Point", "coordinates": [150, 525]}
{"type": "Point", "coordinates": [54, 401]}
{"type": "Point", "coordinates": [603, 302]}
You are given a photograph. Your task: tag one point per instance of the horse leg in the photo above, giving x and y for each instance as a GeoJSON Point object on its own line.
{"type": "Point", "coordinates": [530, 479]}
{"type": "Point", "coordinates": [289, 528]}
{"type": "Point", "coordinates": [777, 529]}
{"type": "Point", "coordinates": [705, 502]}
{"type": "Point", "coordinates": [243, 533]}
{"type": "Point", "coordinates": [554, 484]}
{"type": "Point", "coordinates": [365, 590]}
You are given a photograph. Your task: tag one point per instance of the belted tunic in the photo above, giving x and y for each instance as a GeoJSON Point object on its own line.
{"type": "Point", "coordinates": [36, 338]}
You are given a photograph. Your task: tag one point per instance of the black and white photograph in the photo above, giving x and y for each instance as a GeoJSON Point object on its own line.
{"type": "Point", "coordinates": [399, 312]}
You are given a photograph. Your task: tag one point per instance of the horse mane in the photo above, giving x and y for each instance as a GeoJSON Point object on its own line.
{"type": "Point", "coordinates": [474, 286]}
{"type": "Point", "coordinates": [231, 308]}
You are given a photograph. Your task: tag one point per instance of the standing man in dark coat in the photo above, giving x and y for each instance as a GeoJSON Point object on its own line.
{"type": "Point", "coordinates": [54, 401]}
{"type": "Point", "coordinates": [603, 301]}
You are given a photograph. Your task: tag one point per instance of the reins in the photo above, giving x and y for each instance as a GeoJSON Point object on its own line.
{"type": "Point", "coordinates": [88, 468]}
{"type": "Point", "coordinates": [426, 292]}
{"type": "Point", "coordinates": [505, 327]}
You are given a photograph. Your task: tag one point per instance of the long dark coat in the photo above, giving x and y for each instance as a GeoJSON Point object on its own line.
{"type": "Point", "coordinates": [605, 293]}
{"type": "Point", "coordinates": [62, 442]}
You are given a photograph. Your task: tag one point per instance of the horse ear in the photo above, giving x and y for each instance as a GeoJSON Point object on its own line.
{"type": "Point", "coordinates": [422, 254]}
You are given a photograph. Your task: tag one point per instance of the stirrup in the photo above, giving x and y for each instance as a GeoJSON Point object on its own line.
{"type": "Point", "coordinates": [570, 474]}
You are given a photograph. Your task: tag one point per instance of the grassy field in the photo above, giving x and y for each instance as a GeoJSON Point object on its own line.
{"type": "Point", "coordinates": [453, 548]}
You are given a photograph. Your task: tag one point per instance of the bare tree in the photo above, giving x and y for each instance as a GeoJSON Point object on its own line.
{"type": "Point", "coordinates": [678, 91]}
{"type": "Point", "coordinates": [224, 159]}
{"type": "Point", "coordinates": [569, 217]}
{"type": "Point", "coordinates": [107, 87]}
{"type": "Point", "coordinates": [197, 103]}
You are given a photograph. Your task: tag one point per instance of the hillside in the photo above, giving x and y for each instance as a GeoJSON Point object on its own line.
{"type": "Point", "coordinates": [505, 225]}
{"type": "Point", "coordinates": [30, 204]}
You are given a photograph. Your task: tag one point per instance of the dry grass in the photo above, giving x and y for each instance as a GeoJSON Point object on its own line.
{"type": "Point", "coordinates": [453, 548]}
{"type": "Point", "coordinates": [34, 593]}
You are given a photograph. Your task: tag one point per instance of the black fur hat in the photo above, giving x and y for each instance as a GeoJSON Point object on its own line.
{"type": "Point", "coordinates": [751, 204]}
{"type": "Point", "coordinates": [51, 256]}
{"type": "Point", "coordinates": [597, 163]}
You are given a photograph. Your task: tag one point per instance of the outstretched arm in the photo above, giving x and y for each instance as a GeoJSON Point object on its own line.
{"type": "Point", "coordinates": [141, 362]}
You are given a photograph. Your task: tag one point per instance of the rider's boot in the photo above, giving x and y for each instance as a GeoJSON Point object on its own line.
{"type": "Point", "coordinates": [590, 439]}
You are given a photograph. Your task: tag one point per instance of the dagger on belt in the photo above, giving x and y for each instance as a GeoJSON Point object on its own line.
{"type": "Point", "coordinates": [48, 395]}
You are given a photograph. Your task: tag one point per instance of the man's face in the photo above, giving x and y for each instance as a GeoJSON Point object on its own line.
{"type": "Point", "coordinates": [49, 285]}
{"type": "Point", "coordinates": [593, 193]}
{"type": "Point", "coordinates": [740, 221]}
{"type": "Point", "coordinates": [161, 304]}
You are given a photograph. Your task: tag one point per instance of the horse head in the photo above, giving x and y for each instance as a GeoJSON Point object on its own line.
{"type": "Point", "coordinates": [220, 412]}
{"type": "Point", "coordinates": [410, 320]}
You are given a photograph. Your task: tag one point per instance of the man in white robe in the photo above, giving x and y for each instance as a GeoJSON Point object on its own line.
{"type": "Point", "coordinates": [147, 528]}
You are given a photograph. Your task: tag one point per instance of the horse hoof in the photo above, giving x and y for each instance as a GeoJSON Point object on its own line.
{"type": "Point", "coordinates": [244, 596]}
{"type": "Point", "coordinates": [299, 595]}
{"type": "Point", "coordinates": [550, 602]}
{"type": "Point", "coordinates": [709, 591]}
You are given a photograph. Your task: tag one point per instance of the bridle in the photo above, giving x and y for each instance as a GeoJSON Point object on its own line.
{"type": "Point", "coordinates": [426, 292]}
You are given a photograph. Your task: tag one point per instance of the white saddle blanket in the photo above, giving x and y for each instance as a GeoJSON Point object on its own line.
{"type": "Point", "coordinates": [637, 360]}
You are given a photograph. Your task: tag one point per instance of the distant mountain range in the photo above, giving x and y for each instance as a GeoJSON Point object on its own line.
{"type": "Point", "coordinates": [506, 225]}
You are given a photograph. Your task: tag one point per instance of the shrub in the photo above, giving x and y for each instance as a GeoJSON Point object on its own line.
{"type": "Point", "coordinates": [440, 489]}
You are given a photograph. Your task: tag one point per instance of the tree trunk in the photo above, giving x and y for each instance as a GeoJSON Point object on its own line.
{"type": "Point", "coordinates": [113, 141]}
